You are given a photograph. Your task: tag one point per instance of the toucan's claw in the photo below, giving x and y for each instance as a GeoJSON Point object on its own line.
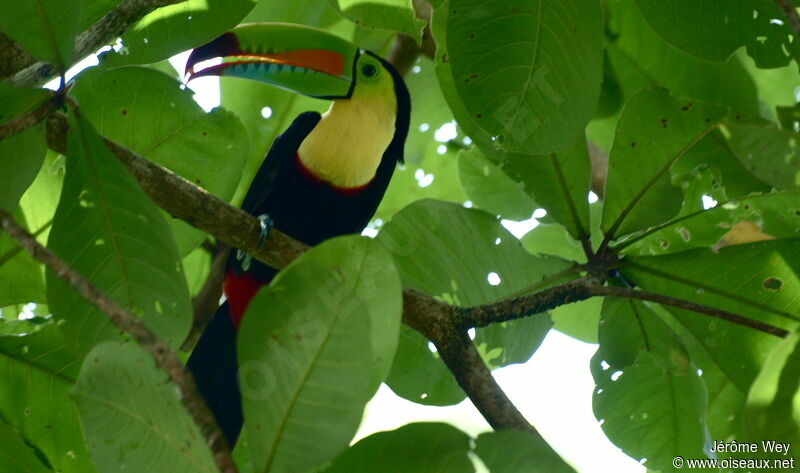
{"type": "Point", "coordinates": [267, 224]}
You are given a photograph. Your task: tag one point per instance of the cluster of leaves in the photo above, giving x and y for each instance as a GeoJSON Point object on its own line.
{"type": "Point", "coordinates": [688, 101]}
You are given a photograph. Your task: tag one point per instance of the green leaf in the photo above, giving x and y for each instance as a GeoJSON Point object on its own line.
{"type": "Point", "coordinates": [651, 410]}
{"type": "Point", "coordinates": [554, 240]}
{"type": "Point", "coordinates": [420, 447]}
{"type": "Point", "coordinates": [511, 451]}
{"type": "Point", "coordinates": [93, 10]}
{"type": "Point", "coordinates": [714, 29]}
{"type": "Point", "coordinates": [777, 215]}
{"type": "Point", "coordinates": [773, 404]}
{"type": "Point", "coordinates": [559, 182]}
{"type": "Point", "coordinates": [641, 58]}
{"type": "Point", "coordinates": [175, 28]}
{"type": "Point", "coordinates": [108, 230]}
{"type": "Point", "coordinates": [769, 153]}
{"type": "Point", "coordinates": [313, 349]}
{"type": "Point", "coordinates": [21, 277]}
{"type": "Point", "coordinates": [578, 320]}
{"type": "Point", "coordinates": [653, 132]}
{"type": "Point", "coordinates": [490, 189]}
{"type": "Point", "coordinates": [17, 100]}
{"type": "Point", "coordinates": [37, 373]}
{"type": "Point", "coordinates": [44, 28]}
{"type": "Point", "coordinates": [756, 280]}
{"type": "Point", "coordinates": [430, 238]}
{"type": "Point", "coordinates": [132, 417]}
{"type": "Point", "coordinates": [21, 157]}
{"type": "Point", "coordinates": [393, 15]}
{"type": "Point", "coordinates": [520, 76]}
{"type": "Point", "coordinates": [16, 456]}
{"type": "Point", "coordinates": [165, 125]}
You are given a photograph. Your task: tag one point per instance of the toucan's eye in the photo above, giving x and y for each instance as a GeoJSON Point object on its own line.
{"type": "Point", "coordinates": [369, 70]}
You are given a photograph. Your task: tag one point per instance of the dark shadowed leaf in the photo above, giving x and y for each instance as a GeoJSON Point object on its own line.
{"type": "Point", "coordinates": [712, 30]}
{"type": "Point", "coordinates": [545, 57]}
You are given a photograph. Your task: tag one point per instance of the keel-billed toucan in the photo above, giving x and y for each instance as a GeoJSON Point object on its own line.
{"type": "Point", "coordinates": [323, 176]}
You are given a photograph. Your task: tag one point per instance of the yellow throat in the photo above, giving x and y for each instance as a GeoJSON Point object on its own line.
{"type": "Point", "coordinates": [346, 146]}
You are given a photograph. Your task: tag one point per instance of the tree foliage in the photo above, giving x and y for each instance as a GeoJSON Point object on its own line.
{"type": "Point", "coordinates": [660, 137]}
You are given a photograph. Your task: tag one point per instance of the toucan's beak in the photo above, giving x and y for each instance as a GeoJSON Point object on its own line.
{"type": "Point", "coordinates": [298, 58]}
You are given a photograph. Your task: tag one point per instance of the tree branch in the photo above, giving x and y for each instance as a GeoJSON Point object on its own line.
{"type": "Point", "coordinates": [27, 120]}
{"type": "Point", "coordinates": [206, 302]}
{"type": "Point", "coordinates": [28, 73]}
{"type": "Point", "coordinates": [611, 291]}
{"type": "Point", "coordinates": [791, 14]}
{"type": "Point", "coordinates": [160, 351]}
{"type": "Point", "coordinates": [12, 57]}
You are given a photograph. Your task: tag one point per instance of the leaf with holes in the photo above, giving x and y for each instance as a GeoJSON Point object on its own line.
{"type": "Point", "coordinates": [37, 373]}
{"type": "Point", "coordinates": [149, 113]}
{"type": "Point", "coordinates": [44, 28]}
{"type": "Point", "coordinates": [756, 280]}
{"type": "Point", "coordinates": [420, 447]}
{"type": "Point", "coordinates": [483, 263]}
{"type": "Point", "coordinates": [654, 130]}
{"type": "Point", "coordinates": [712, 30]}
{"type": "Point", "coordinates": [775, 216]}
{"type": "Point", "coordinates": [313, 348]}
{"type": "Point", "coordinates": [392, 15]}
{"type": "Point", "coordinates": [132, 417]}
{"type": "Point", "coordinates": [653, 411]}
{"type": "Point", "coordinates": [520, 76]}
{"type": "Point", "coordinates": [108, 230]}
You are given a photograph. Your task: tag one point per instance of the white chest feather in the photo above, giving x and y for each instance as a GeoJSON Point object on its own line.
{"type": "Point", "coordinates": [346, 146]}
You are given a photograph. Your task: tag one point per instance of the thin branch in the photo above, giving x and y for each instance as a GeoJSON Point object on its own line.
{"type": "Point", "coordinates": [111, 26]}
{"type": "Point", "coordinates": [27, 120]}
{"type": "Point", "coordinates": [206, 302]}
{"type": "Point", "coordinates": [10, 254]}
{"type": "Point", "coordinates": [161, 352]}
{"type": "Point", "coordinates": [791, 14]}
{"type": "Point", "coordinates": [438, 322]}
{"type": "Point", "coordinates": [12, 57]}
{"type": "Point", "coordinates": [610, 291]}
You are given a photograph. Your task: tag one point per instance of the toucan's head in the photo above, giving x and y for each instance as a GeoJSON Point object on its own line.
{"type": "Point", "coordinates": [307, 61]}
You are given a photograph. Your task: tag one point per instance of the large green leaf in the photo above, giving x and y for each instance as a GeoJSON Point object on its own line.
{"type": "Point", "coordinates": [483, 263]}
{"type": "Point", "coordinates": [520, 76]}
{"type": "Point", "coordinates": [37, 373]}
{"type": "Point", "coordinates": [756, 280]}
{"type": "Point", "coordinates": [132, 417]}
{"type": "Point", "coordinates": [773, 404]}
{"type": "Point", "coordinates": [393, 15]}
{"type": "Point", "coordinates": [108, 230]}
{"type": "Point", "coordinates": [418, 448]}
{"type": "Point", "coordinates": [16, 456]}
{"type": "Point", "coordinates": [654, 411]}
{"type": "Point", "coordinates": [653, 132]}
{"type": "Point", "coordinates": [45, 28]}
{"type": "Point", "coordinates": [511, 451]}
{"type": "Point", "coordinates": [313, 349]}
{"type": "Point", "coordinates": [641, 58]}
{"type": "Point", "coordinates": [175, 28]}
{"type": "Point", "coordinates": [149, 113]}
{"type": "Point", "coordinates": [712, 30]}
{"type": "Point", "coordinates": [769, 153]}
{"type": "Point", "coordinates": [21, 157]}
{"type": "Point", "coordinates": [777, 215]}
